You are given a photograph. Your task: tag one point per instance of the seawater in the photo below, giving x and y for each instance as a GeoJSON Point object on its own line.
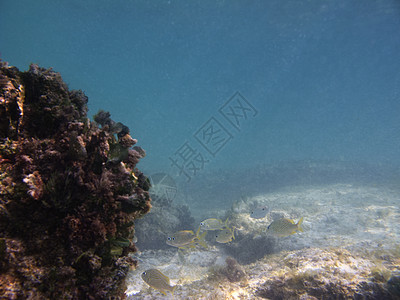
{"type": "Point", "coordinates": [290, 104]}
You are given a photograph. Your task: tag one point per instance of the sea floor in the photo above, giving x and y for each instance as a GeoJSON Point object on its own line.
{"type": "Point", "coordinates": [350, 247]}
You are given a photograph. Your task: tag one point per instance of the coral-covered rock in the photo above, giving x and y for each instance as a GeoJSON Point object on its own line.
{"type": "Point", "coordinates": [69, 192]}
{"type": "Point", "coordinates": [233, 271]}
{"type": "Point", "coordinates": [328, 274]}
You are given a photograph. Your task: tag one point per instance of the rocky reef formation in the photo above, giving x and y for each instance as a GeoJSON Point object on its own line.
{"type": "Point", "coordinates": [331, 274]}
{"type": "Point", "coordinates": [69, 192]}
{"type": "Point", "coordinates": [232, 271]}
{"type": "Point", "coordinates": [309, 273]}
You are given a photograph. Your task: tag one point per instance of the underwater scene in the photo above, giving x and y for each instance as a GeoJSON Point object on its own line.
{"type": "Point", "coordinates": [200, 149]}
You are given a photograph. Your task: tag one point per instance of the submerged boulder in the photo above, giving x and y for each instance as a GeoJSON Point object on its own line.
{"type": "Point", "coordinates": [65, 232]}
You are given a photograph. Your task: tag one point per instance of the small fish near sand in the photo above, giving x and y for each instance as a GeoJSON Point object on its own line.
{"type": "Point", "coordinates": [186, 239]}
{"type": "Point", "coordinates": [284, 227]}
{"type": "Point", "coordinates": [225, 235]}
{"type": "Point", "coordinates": [213, 224]}
{"type": "Point", "coordinates": [158, 281]}
{"type": "Point", "coordinates": [259, 212]}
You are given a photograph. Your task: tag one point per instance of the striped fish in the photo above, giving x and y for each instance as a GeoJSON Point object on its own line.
{"type": "Point", "coordinates": [186, 239]}
{"type": "Point", "coordinates": [284, 227]}
{"type": "Point", "coordinates": [158, 281]}
{"type": "Point", "coordinates": [225, 236]}
{"type": "Point", "coordinates": [213, 224]}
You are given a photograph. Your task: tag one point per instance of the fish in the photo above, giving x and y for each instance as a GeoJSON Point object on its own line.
{"type": "Point", "coordinates": [158, 281]}
{"type": "Point", "coordinates": [284, 227]}
{"type": "Point", "coordinates": [185, 239]}
{"type": "Point", "coordinates": [225, 235]}
{"type": "Point", "coordinates": [213, 224]}
{"type": "Point", "coordinates": [259, 212]}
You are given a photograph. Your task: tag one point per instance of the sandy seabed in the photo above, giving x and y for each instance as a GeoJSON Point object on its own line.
{"type": "Point", "coordinates": [350, 247]}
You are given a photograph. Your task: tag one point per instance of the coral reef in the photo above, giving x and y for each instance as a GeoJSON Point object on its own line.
{"type": "Point", "coordinates": [329, 274]}
{"type": "Point", "coordinates": [309, 273]}
{"type": "Point", "coordinates": [70, 192]}
{"type": "Point", "coordinates": [232, 271]}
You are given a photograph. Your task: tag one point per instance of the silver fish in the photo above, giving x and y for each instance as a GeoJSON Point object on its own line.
{"type": "Point", "coordinates": [259, 212]}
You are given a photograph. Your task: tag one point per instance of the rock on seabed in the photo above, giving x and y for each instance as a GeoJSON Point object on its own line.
{"type": "Point", "coordinates": [65, 226]}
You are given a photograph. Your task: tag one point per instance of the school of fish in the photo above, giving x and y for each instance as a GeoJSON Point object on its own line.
{"type": "Point", "coordinates": [222, 233]}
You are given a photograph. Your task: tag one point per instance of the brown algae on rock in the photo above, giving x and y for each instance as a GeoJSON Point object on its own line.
{"type": "Point", "coordinates": [64, 232]}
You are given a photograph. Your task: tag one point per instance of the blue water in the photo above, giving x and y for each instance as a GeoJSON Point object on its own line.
{"type": "Point", "coordinates": [320, 79]}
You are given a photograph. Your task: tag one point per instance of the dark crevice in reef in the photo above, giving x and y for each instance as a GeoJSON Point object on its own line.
{"type": "Point", "coordinates": [69, 192]}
